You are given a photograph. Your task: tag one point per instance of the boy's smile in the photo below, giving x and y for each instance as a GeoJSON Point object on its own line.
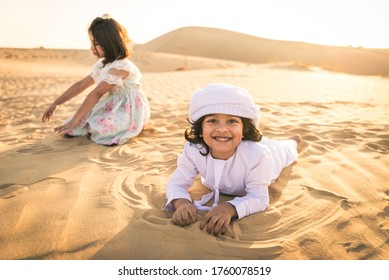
{"type": "Point", "coordinates": [222, 133]}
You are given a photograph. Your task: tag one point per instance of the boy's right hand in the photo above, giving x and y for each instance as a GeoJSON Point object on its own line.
{"type": "Point", "coordinates": [185, 213]}
{"type": "Point", "coordinates": [49, 112]}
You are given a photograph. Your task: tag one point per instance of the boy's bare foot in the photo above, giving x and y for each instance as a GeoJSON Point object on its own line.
{"type": "Point", "coordinates": [301, 144]}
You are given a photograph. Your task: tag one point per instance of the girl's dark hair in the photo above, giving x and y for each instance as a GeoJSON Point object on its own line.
{"type": "Point", "coordinates": [112, 38]}
{"type": "Point", "coordinates": [194, 134]}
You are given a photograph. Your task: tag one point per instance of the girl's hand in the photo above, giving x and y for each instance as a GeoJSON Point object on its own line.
{"type": "Point", "coordinates": [65, 128]}
{"type": "Point", "coordinates": [185, 213]}
{"type": "Point", "coordinates": [49, 112]}
{"type": "Point", "coordinates": [218, 218]}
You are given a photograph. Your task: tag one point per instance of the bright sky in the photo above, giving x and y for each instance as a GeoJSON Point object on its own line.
{"type": "Point", "coordinates": [63, 23]}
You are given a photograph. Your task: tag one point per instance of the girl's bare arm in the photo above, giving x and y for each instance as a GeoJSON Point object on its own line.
{"type": "Point", "coordinates": [71, 92]}
{"type": "Point", "coordinates": [92, 98]}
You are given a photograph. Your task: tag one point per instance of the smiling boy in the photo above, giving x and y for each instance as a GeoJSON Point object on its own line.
{"type": "Point", "coordinates": [226, 148]}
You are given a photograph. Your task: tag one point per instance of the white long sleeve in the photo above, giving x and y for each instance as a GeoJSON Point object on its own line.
{"type": "Point", "coordinates": [246, 175]}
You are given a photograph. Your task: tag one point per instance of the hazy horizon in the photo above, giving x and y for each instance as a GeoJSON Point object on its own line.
{"type": "Point", "coordinates": [63, 24]}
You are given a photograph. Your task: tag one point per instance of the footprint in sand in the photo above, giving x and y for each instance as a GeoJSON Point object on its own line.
{"type": "Point", "coordinates": [384, 215]}
{"type": "Point", "coordinates": [353, 247]}
{"type": "Point", "coordinates": [385, 212]}
{"type": "Point", "coordinates": [381, 146]}
{"type": "Point", "coordinates": [11, 190]}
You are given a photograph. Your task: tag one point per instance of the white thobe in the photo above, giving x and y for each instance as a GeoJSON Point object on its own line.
{"type": "Point", "coordinates": [246, 175]}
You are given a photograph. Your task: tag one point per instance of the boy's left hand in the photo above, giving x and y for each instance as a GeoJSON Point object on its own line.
{"type": "Point", "coordinates": [218, 218]}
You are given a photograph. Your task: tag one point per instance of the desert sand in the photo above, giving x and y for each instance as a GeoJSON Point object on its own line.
{"type": "Point", "coordinates": [69, 198]}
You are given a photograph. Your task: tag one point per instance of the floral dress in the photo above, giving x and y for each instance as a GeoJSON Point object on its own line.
{"type": "Point", "coordinates": [123, 112]}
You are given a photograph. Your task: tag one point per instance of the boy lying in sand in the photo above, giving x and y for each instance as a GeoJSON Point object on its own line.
{"type": "Point", "coordinates": [228, 151]}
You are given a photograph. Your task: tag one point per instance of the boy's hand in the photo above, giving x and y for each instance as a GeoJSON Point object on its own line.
{"type": "Point", "coordinates": [185, 213]}
{"type": "Point", "coordinates": [218, 218]}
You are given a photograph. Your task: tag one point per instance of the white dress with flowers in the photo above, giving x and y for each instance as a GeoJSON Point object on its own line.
{"type": "Point", "coordinates": [120, 114]}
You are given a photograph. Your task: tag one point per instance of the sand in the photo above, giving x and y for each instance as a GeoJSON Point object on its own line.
{"type": "Point", "coordinates": [69, 198]}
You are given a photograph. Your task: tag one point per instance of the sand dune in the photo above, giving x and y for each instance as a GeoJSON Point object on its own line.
{"type": "Point", "coordinates": [64, 198]}
{"type": "Point", "coordinates": [228, 45]}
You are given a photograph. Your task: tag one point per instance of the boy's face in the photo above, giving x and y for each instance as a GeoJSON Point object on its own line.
{"type": "Point", "coordinates": [222, 133]}
{"type": "Point", "coordinates": [96, 49]}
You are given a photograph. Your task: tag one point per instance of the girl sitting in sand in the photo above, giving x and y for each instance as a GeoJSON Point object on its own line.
{"type": "Point", "coordinates": [225, 147]}
{"type": "Point", "coordinates": [124, 111]}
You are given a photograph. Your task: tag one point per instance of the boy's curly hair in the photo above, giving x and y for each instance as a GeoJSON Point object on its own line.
{"type": "Point", "coordinates": [195, 132]}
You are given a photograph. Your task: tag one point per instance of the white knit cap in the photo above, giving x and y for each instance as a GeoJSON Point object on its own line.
{"type": "Point", "coordinates": [223, 99]}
